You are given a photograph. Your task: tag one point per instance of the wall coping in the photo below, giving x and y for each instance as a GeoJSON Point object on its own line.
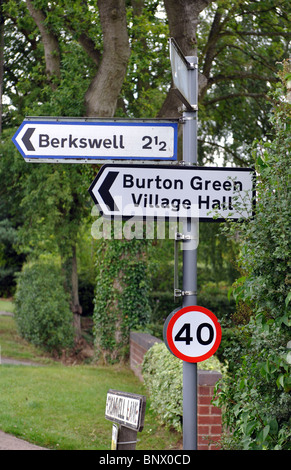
{"type": "Point", "coordinates": [208, 377]}
{"type": "Point", "coordinates": [144, 339]}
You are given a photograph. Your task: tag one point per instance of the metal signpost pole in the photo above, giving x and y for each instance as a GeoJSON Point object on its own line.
{"type": "Point", "coordinates": [190, 263]}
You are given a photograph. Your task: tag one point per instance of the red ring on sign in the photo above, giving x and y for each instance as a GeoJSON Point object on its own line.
{"type": "Point", "coordinates": [176, 316]}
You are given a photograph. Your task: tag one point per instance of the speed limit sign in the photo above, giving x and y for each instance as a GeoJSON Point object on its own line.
{"type": "Point", "coordinates": [193, 333]}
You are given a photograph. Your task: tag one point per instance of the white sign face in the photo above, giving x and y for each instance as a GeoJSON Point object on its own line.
{"type": "Point", "coordinates": [193, 334]}
{"type": "Point", "coordinates": [87, 141]}
{"type": "Point", "coordinates": [125, 409]}
{"type": "Point", "coordinates": [173, 192]}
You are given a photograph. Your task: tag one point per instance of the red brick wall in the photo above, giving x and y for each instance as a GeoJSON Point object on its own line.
{"type": "Point", "coordinates": [209, 417]}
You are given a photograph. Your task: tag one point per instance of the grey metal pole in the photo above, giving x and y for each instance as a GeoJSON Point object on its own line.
{"type": "Point", "coordinates": [190, 119]}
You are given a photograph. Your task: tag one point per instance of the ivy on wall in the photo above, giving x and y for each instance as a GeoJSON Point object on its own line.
{"type": "Point", "coordinates": [122, 295]}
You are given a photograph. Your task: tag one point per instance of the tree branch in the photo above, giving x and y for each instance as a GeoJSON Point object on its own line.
{"type": "Point", "coordinates": [235, 95]}
{"type": "Point", "coordinates": [241, 161]}
{"type": "Point", "coordinates": [240, 76]}
{"type": "Point", "coordinates": [270, 33]}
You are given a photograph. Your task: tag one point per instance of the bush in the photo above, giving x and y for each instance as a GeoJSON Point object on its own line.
{"type": "Point", "coordinates": [256, 395]}
{"type": "Point", "coordinates": [215, 297]}
{"type": "Point", "coordinates": [42, 310]}
{"type": "Point", "coordinates": [163, 376]}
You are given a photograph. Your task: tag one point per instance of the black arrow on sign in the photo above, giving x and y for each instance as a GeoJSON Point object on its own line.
{"type": "Point", "coordinates": [26, 138]}
{"type": "Point", "coordinates": [104, 190]}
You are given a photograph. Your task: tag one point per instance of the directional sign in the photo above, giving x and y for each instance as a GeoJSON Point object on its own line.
{"type": "Point", "coordinates": [192, 334]}
{"type": "Point", "coordinates": [167, 192]}
{"type": "Point", "coordinates": [94, 140]}
{"type": "Point", "coordinates": [180, 70]}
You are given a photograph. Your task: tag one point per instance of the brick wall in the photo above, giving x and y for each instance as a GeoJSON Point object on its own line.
{"type": "Point", "coordinates": [209, 417]}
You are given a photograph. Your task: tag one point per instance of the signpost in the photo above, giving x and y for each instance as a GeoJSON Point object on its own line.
{"type": "Point", "coordinates": [185, 192]}
{"type": "Point", "coordinates": [169, 192]}
{"type": "Point", "coordinates": [190, 119]}
{"type": "Point", "coordinates": [70, 140]}
{"type": "Point", "coordinates": [128, 411]}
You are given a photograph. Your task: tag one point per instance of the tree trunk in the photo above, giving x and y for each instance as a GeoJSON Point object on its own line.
{"type": "Point", "coordinates": [76, 307]}
{"type": "Point", "coordinates": [183, 20]}
{"type": "Point", "coordinates": [69, 266]}
{"type": "Point", "coordinates": [50, 44]}
{"type": "Point", "coordinates": [102, 94]}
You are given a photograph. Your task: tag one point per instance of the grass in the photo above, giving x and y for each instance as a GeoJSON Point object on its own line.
{"type": "Point", "coordinates": [13, 346]}
{"type": "Point", "coordinates": [6, 306]}
{"type": "Point", "coordinates": [63, 407]}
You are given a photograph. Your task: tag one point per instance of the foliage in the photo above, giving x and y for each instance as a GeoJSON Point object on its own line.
{"type": "Point", "coordinates": [237, 53]}
{"type": "Point", "coordinates": [42, 307]}
{"type": "Point", "coordinates": [216, 272]}
{"type": "Point", "coordinates": [148, 74]}
{"type": "Point", "coordinates": [11, 216]}
{"type": "Point", "coordinates": [122, 295]}
{"type": "Point", "coordinates": [210, 295]}
{"type": "Point", "coordinates": [10, 262]}
{"type": "Point", "coordinates": [256, 396]}
{"type": "Point", "coordinates": [54, 200]}
{"type": "Point", "coordinates": [163, 376]}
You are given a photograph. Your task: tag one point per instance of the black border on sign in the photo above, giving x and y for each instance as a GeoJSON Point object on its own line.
{"type": "Point", "coordinates": [172, 167]}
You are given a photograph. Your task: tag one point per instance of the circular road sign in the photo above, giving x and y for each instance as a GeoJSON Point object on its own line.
{"type": "Point", "coordinates": [193, 333]}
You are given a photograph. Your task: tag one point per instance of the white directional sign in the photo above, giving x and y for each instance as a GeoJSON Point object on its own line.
{"type": "Point", "coordinates": [173, 192]}
{"type": "Point", "coordinates": [180, 69]}
{"type": "Point", "coordinates": [94, 140]}
{"type": "Point", "coordinates": [192, 334]}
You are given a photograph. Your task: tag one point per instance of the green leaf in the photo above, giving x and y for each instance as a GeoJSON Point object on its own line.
{"type": "Point", "coordinates": [280, 381]}
{"type": "Point", "coordinates": [266, 431]}
{"type": "Point", "coordinates": [274, 426]}
{"type": "Point", "coordinates": [288, 298]}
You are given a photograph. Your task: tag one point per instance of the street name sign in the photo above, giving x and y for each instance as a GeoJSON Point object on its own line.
{"type": "Point", "coordinates": [125, 408]}
{"type": "Point", "coordinates": [192, 333]}
{"type": "Point", "coordinates": [166, 192]}
{"type": "Point", "coordinates": [72, 140]}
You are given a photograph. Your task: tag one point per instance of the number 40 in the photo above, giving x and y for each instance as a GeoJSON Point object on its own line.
{"type": "Point", "coordinates": [186, 330]}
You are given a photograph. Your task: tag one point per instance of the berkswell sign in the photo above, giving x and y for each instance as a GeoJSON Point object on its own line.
{"type": "Point", "coordinates": [90, 140]}
{"type": "Point", "coordinates": [167, 192]}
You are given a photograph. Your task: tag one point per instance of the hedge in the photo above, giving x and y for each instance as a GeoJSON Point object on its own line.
{"type": "Point", "coordinates": [163, 377]}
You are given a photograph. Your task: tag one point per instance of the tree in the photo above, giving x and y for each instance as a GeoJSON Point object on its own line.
{"type": "Point", "coordinates": [236, 44]}
{"type": "Point", "coordinates": [110, 58]}
{"type": "Point", "coordinates": [256, 394]}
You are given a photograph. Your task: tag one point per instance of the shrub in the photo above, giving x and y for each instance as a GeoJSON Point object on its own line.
{"type": "Point", "coordinates": [256, 395]}
{"type": "Point", "coordinates": [163, 376]}
{"type": "Point", "coordinates": [42, 309]}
